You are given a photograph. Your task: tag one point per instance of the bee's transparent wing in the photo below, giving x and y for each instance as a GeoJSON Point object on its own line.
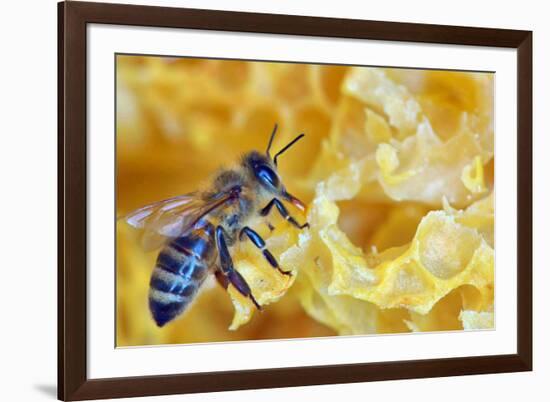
{"type": "Point", "coordinates": [168, 219]}
{"type": "Point", "coordinates": [145, 216]}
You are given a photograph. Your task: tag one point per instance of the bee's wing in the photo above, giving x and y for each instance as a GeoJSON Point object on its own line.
{"type": "Point", "coordinates": [170, 218]}
{"type": "Point", "coordinates": [144, 216]}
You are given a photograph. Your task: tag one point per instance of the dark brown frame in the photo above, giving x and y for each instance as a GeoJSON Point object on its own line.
{"type": "Point", "coordinates": [73, 17]}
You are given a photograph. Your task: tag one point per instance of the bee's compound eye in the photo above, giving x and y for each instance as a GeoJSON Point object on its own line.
{"type": "Point", "coordinates": [267, 175]}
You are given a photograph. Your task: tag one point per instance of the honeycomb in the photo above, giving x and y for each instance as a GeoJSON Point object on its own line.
{"type": "Point", "coordinates": [396, 170]}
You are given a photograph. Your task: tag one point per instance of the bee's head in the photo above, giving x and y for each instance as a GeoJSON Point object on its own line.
{"type": "Point", "coordinates": [264, 170]}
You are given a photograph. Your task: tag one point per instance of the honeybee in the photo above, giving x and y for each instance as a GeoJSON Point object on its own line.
{"type": "Point", "coordinates": [197, 230]}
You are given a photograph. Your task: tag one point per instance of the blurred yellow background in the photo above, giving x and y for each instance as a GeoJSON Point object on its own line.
{"type": "Point", "coordinates": [396, 166]}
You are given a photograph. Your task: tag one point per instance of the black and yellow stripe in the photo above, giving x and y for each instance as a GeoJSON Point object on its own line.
{"type": "Point", "coordinates": [180, 270]}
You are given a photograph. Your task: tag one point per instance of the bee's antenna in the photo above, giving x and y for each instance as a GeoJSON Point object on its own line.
{"type": "Point", "coordinates": [291, 143]}
{"type": "Point", "coordinates": [271, 140]}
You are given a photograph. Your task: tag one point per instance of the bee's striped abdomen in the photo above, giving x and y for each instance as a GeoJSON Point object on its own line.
{"type": "Point", "coordinates": [181, 268]}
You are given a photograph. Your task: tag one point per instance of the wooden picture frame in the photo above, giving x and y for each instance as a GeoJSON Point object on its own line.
{"type": "Point", "coordinates": [73, 17]}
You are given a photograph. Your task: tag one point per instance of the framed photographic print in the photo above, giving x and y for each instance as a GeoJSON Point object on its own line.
{"type": "Point", "coordinates": [254, 200]}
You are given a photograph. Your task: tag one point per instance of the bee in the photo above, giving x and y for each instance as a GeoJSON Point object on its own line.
{"type": "Point", "coordinates": [197, 230]}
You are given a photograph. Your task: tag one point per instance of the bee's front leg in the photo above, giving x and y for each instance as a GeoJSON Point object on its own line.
{"type": "Point", "coordinates": [257, 240]}
{"type": "Point", "coordinates": [283, 211]}
{"type": "Point", "coordinates": [228, 270]}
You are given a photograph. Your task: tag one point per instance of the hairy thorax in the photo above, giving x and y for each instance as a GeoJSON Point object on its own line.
{"type": "Point", "coordinates": [234, 214]}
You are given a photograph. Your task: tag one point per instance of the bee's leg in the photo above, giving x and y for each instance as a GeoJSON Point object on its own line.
{"type": "Point", "coordinates": [229, 271]}
{"type": "Point", "coordinates": [260, 243]}
{"type": "Point", "coordinates": [221, 278]}
{"type": "Point", "coordinates": [283, 211]}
